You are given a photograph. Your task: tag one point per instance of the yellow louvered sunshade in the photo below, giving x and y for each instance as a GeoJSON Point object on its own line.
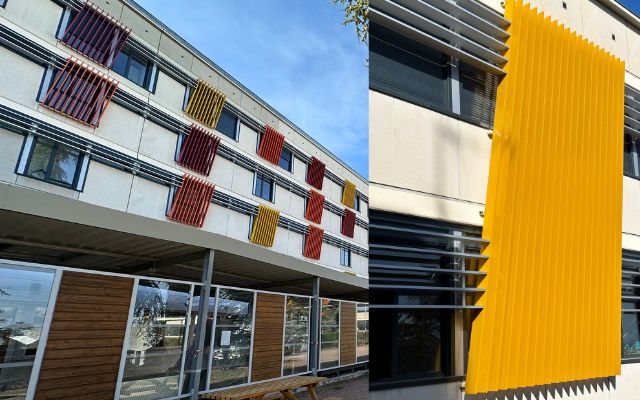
{"type": "Point", "coordinates": [205, 104]}
{"type": "Point", "coordinates": [264, 226]}
{"type": "Point", "coordinates": [553, 214]}
{"type": "Point", "coordinates": [348, 193]}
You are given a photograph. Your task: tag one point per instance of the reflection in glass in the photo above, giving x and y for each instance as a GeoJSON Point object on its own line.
{"type": "Point", "coordinates": [419, 342]}
{"type": "Point", "coordinates": [232, 341]}
{"type": "Point", "coordinates": [330, 334]}
{"type": "Point", "coordinates": [362, 335]}
{"type": "Point", "coordinates": [296, 335]}
{"type": "Point", "coordinates": [52, 161]}
{"type": "Point", "coordinates": [156, 341]}
{"type": "Point", "coordinates": [24, 297]}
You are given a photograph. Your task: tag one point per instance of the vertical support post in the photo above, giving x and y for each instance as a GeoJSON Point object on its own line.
{"type": "Point", "coordinates": [457, 322]}
{"type": "Point", "coordinates": [201, 329]}
{"type": "Point", "coordinates": [455, 87]}
{"type": "Point", "coordinates": [314, 356]}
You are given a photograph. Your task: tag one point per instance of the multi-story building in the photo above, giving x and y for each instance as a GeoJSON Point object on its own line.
{"type": "Point", "coordinates": [164, 232]}
{"type": "Point", "coordinates": [504, 199]}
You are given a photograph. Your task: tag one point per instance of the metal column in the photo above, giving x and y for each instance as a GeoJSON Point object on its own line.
{"type": "Point", "coordinates": [203, 306]}
{"type": "Point", "coordinates": [314, 355]}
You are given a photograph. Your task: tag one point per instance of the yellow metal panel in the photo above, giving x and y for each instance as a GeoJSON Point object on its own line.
{"type": "Point", "coordinates": [348, 193]}
{"type": "Point", "coordinates": [553, 213]}
{"type": "Point", "coordinates": [264, 226]}
{"type": "Point", "coordinates": [205, 104]}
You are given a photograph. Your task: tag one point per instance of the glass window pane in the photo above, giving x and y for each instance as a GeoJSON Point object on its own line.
{"type": "Point", "coordinates": [40, 158]}
{"type": "Point", "coordinates": [227, 124]}
{"type": "Point", "coordinates": [65, 165]}
{"type": "Point", "coordinates": [154, 356]}
{"type": "Point", "coordinates": [630, 335]}
{"type": "Point", "coordinates": [120, 65]}
{"type": "Point", "coordinates": [362, 335]}
{"type": "Point", "coordinates": [296, 335]}
{"type": "Point", "coordinates": [419, 342]}
{"type": "Point", "coordinates": [330, 334]}
{"type": "Point", "coordinates": [232, 342]}
{"type": "Point", "coordinates": [628, 156]}
{"type": "Point", "coordinates": [285, 159]}
{"type": "Point", "coordinates": [24, 298]}
{"type": "Point", "coordinates": [137, 71]}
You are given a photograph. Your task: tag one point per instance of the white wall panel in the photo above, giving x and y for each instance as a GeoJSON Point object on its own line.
{"type": "Point", "coordinates": [106, 186]}
{"type": "Point", "coordinates": [217, 219]}
{"type": "Point", "coordinates": [243, 182]}
{"type": "Point", "coordinates": [238, 226]}
{"type": "Point", "coordinates": [121, 126]}
{"type": "Point", "coordinates": [295, 245]}
{"type": "Point", "coordinates": [10, 144]}
{"type": "Point", "coordinates": [19, 78]}
{"type": "Point", "coordinates": [40, 17]}
{"type": "Point", "coordinates": [283, 200]}
{"type": "Point", "coordinates": [158, 143]}
{"type": "Point", "coordinates": [297, 207]}
{"type": "Point", "coordinates": [248, 140]}
{"type": "Point", "coordinates": [281, 241]}
{"type": "Point", "coordinates": [222, 172]}
{"type": "Point", "coordinates": [148, 199]}
{"type": "Point", "coordinates": [169, 93]}
{"type": "Point", "coordinates": [46, 187]}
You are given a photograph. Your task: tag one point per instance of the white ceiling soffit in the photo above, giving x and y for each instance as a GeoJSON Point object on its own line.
{"type": "Point", "coordinates": [463, 29]}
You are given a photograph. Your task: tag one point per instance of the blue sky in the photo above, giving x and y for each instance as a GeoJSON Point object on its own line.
{"type": "Point", "coordinates": [633, 5]}
{"type": "Point", "coordinates": [294, 54]}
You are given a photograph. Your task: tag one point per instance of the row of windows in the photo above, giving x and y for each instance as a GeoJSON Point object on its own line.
{"type": "Point", "coordinates": [406, 69]}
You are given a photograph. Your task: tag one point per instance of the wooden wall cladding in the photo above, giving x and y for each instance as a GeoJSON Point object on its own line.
{"type": "Point", "coordinates": [267, 340]}
{"type": "Point", "coordinates": [347, 333]}
{"type": "Point", "coordinates": [82, 355]}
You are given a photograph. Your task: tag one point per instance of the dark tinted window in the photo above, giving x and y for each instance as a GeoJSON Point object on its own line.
{"type": "Point", "coordinates": [227, 124]}
{"type": "Point", "coordinates": [53, 162]}
{"type": "Point", "coordinates": [264, 187]}
{"type": "Point", "coordinates": [408, 70]}
{"type": "Point", "coordinates": [286, 160]}
{"type": "Point", "coordinates": [629, 168]}
{"type": "Point", "coordinates": [477, 95]}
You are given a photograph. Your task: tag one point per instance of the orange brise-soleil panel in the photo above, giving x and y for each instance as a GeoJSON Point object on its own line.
{"type": "Point", "coordinates": [313, 242]}
{"type": "Point", "coordinates": [271, 145]}
{"type": "Point", "coordinates": [315, 207]}
{"type": "Point", "coordinates": [192, 200]}
{"type": "Point", "coordinates": [553, 214]}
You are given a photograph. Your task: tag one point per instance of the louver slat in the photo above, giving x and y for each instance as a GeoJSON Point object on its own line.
{"type": "Point", "coordinates": [348, 193]}
{"type": "Point", "coordinates": [264, 226]}
{"type": "Point", "coordinates": [348, 223]}
{"type": "Point", "coordinates": [271, 145]}
{"type": "Point", "coordinates": [80, 92]}
{"type": "Point", "coordinates": [205, 104]}
{"type": "Point", "coordinates": [552, 301]}
{"type": "Point", "coordinates": [313, 242]}
{"type": "Point", "coordinates": [315, 206]}
{"type": "Point", "coordinates": [315, 173]}
{"type": "Point", "coordinates": [199, 150]}
{"type": "Point", "coordinates": [96, 35]}
{"type": "Point", "coordinates": [192, 201]}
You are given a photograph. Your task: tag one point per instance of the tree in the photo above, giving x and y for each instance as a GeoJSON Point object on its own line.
{"type": "Point", "coordinates": [356, 12]}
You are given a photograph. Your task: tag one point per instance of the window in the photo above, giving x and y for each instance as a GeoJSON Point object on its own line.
{"type": "Point", "coordinates": [630, 157]}
{"type": "Point", "coordinates": [156, 340]}
{"type": "Point", "coordinates": [356, 203]}
{"type": "Point", "coordinates": [232, 341]}
{"type": "Point", "coordinates": [345, 257]}
{"type": "Point", "coordinates": [362, 333]}
{"type": "Point", "coordinates": [630, 308]}
{"type": "Point", "coordinates": [136, 68]}
{"type": "Point", "coordinates": [53, 162]}
{"type": "Point", "coordinates": [24, 300]}
{"type": "Point", "coordinates": [286, 160]}
{"type": "Point", "coordinates": [228, 125]}
{"type": "Point", "coordinates": [3, 3]}
{"type": "Point", "coordinates": [411, 71]}
{"type": "Point", "coordinates": [330, 334]}
{"type": "Point", "coordinates": [296, 336]}
{"type": "Point", "coordinates": [264, 187]}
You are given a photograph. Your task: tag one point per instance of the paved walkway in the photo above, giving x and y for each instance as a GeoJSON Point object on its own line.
{"type": "Point", "coordinates": [349, 389]}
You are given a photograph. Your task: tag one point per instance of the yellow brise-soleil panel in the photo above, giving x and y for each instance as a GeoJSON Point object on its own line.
{"type": "Point", "coordinates": [205, 104]}
{"type": "Point", "coordinates": [553, 213]}
{"type": "Point", "coordinates": [264, 226]}
{"type": "Point", "coordinates": [348, 193]}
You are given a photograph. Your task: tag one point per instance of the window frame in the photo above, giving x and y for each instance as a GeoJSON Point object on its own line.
{"type": "Point", "coordinates": [285, 150]}
{"type": "Point", "coordinates": [356, 202]}
{"type": "Point", "coordinates": [236, 132]}
{"type": "Point", "coordinates": [3, 3]}
{"type": "Point", "coordinates": [259, 176]}
{"type": "Point", "coordinates": [345, 257]}
{"type": "Point", "coordinates": [26, 157]}
{"type": "Point", "coordinates": [151, 73]}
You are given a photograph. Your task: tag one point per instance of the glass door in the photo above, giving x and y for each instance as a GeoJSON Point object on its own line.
{"type": "Point", "coordinates": [24, 299]}
{"type": "Point", "coordinates": [232, 340]}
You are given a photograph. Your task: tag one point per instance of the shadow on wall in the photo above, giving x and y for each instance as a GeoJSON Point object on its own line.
{"type": "Point", "coordinates": [554, 391]}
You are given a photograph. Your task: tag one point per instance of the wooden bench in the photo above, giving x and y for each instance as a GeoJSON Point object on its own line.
{"type": "Point", "coordinates": [257, 391]}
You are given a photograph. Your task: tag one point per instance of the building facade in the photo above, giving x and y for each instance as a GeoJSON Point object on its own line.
{"type": "Point", "coordinates": [164, 232]}
{"type": "Point", "coordinates": [503, 195]}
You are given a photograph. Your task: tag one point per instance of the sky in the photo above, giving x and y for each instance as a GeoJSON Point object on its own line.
{"type": "Point", "coordinates": [293, 54]}
{"type": "Point", "coordinates": [632, 5]}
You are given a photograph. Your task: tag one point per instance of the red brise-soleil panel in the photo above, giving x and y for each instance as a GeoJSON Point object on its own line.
{"type": "Point", "coordinates": [192, 200]}
{"type": "Point", "coordinates": [315, 173]}
{"type": "Point", "coordinates": [348, 223]}
{"type": "Point", "coordinates": [313, 243]}
{"type": "Point", "coordinates": [96, 35]}
{"type": "Point", "coordinates": [80, 92]}
{"type": "Point", "coordinates": [199, 150]}
{"type": "Point", "coordinates": [271, 145]}
{"type": "Point", "coordinates": [315, 206]}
